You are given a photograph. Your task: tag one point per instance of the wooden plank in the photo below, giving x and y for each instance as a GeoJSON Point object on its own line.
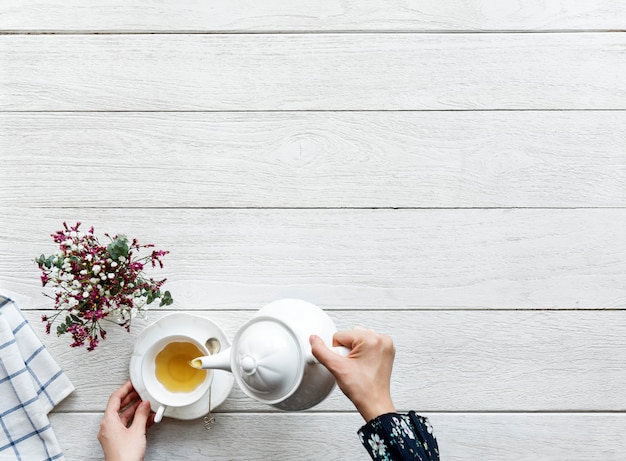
{"type": "Point", "coordinates": [461, 437]}
{"type": "Point", "coordinates": [380, 259]}
{"type": "Point", "coordinates": [308, 159]}
{"type": "Point", "coordinates": [445, 361]}
{"type": "Point", "coordinates": [305, 15]}
{"type": "Point", "coordinates": [312, 72]}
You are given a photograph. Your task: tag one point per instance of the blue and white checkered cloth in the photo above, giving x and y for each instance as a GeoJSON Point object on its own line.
{"type": "Point", "coordinates": [31, 384]}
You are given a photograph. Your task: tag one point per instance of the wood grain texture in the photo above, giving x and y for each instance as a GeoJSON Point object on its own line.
{"type": "Point", "coordinates": [312, 72]}
{"type": "Point", "coordinates": [268, 145]}
{"type": "Point", "coordinates": [357, 259]}
{"type": "Point", "coordinates": [445, 361]}
{"type": "Point", "coordinates": [308, 15]}
{"type": "Point", "coordinates": [308, 159]}
{"type": "Point", "coordinates": [461, 437]}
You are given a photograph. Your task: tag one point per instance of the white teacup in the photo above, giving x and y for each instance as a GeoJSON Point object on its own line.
{"type": "Point", "coordinates": [174, 368]}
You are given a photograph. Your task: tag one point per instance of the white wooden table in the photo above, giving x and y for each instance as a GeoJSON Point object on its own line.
{"type": "Point", "coordinates": [450, 173]}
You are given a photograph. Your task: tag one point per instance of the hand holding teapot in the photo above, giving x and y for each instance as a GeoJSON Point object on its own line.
{"type": "Point", "coordinates": [364, 375]}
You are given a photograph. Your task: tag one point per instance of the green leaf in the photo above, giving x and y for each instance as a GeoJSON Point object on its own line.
{"type": "Point", "coordinates": [152, 296]}
{"type": "Point", "coordinates": [61, 329]}
{"type": "Point", "coordinates": [42, 261]}
{"type": "Point", "coordinates": [166, 300]}
{"type": "Point", "coordinates": [118, 248]}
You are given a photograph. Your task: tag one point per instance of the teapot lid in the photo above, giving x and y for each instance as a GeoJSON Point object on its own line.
{"type": "Point", "coordinates": [268, 360]}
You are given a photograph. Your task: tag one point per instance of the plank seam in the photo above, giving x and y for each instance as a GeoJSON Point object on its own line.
{"type": "Point", "coordinates": [256, 111]}
{"type": "Point", "coordinates": [302, 32]}
{"type": "Point", "coordinates": [291, 208]}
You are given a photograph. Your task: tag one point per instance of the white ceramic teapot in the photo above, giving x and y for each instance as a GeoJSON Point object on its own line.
{"type": "Point", "coordinates": [271, 357]}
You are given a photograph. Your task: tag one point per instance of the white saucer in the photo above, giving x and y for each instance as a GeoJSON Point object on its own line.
{"type": "Point", "coordinates": [198, 328]}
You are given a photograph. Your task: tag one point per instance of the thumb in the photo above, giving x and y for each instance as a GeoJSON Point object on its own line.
{"type": "Point", "coordinates": [322, 353]}
{"type": "Point", "coordinates": [141, 415]}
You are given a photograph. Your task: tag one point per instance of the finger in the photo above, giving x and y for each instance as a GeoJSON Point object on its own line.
{"type": "Point", "coordinates": [127, 415]}
{"type": "Point", "coordinates": [150, 421]}
{"type": "Point", "coordinates": [326, 357]}
{"type": "Point", "coordinates": [140, 423]}
{"type": "Point", "coordinates": [349, 338]}
{"type": "Point", "coordinates": [129, 398]}
{"type": "Point", "coordinates": [115, 401]}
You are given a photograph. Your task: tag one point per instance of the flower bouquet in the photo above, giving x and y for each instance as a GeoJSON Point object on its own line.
{"type": "Point", "coordinates": [93, 283]}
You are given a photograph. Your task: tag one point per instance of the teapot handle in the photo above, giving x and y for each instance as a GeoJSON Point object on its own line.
{"type": "Point", "coordinates": [341, 350]}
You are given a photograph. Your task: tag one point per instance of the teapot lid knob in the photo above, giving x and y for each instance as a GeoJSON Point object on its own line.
{"type": "Point", "coordinates": [248, 364]}
{"type": "Point", "coordinates": [269, 360]}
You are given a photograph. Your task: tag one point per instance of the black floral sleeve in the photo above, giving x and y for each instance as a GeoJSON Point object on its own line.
{"type": "Point", "coordinates": [399, 437]}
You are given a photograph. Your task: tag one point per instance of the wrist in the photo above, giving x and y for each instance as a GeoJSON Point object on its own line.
{"type": "Point", "coordinates": [373, 410]}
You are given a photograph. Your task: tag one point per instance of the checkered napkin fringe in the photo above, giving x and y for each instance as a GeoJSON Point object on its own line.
{"type": "Point", "coordinates": [31, 384]}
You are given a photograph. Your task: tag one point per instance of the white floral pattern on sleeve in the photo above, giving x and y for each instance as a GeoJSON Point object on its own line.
{"type": "Point", "coordinates": [378, 446]}
{"type": "Point", "coordinates": [397, 437]}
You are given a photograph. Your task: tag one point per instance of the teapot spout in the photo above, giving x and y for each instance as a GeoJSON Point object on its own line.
{"type": "Point", "coordinates": [219, 361]}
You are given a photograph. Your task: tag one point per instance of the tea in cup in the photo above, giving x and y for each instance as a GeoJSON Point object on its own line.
{"type": "Point", "coordinates": [168, 376]}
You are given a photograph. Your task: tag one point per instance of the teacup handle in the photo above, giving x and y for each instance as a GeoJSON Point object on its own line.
{"type": "Point", "coordinates": [159, 413]}
{"type": "Point", "coordinates": [341, 350]}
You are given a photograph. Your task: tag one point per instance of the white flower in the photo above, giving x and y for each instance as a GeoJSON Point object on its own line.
{"type": "Point", "coordinates": [429, 427]}
{"type": "Point", "coordinates": [89, 257]}
{"type": "Point", "coordinates": [111, 275]}
{"type": "Point", "coordinates": [113, 264]}
{"type": "Point", "coordinates": [96, 269]}
{"type": "Point", "coordinates": [83, 272]}
{"type": "Point", "coordinates": [406, 429]}
{"type": "Point", "coordinates": [378, 445]}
